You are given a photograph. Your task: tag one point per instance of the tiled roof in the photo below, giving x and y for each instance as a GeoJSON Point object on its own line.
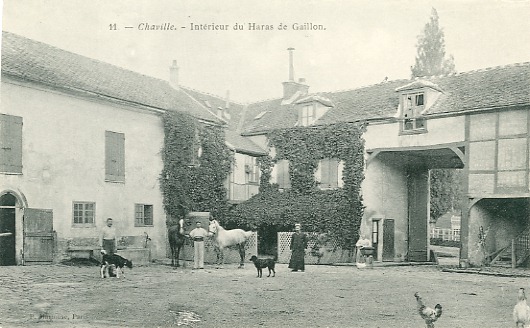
{"type": "Point", "coordinates": [237, 113]}
{"type": "Point", "coordinates": [38, 62]}
{"type": "Point", "coordinates": [495, 87]}
{"type": "Point", "coordinates": [213, 102]}
{"type": "Point", "coordinates": [243, 144]}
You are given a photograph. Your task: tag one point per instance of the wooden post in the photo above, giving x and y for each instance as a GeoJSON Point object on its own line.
{"type": "Point", "coordinates": [514, 263]}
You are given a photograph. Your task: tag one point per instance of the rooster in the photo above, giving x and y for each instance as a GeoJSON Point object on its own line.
{"type": "Point", "coordinates": [426, 313]}
{"type": "Point", "coordinates": [521, 310]}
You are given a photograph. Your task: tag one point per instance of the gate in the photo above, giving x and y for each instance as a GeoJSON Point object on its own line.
{"type": "Point", "coordinates": [38, 235]}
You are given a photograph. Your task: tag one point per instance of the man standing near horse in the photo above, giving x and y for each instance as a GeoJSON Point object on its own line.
{"type": "Point", "coordinates": [198, 235]}
{"type": "Point", "coordinates": [298, 246]}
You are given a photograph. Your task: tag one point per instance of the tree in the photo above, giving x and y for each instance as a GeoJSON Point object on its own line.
{"type": "Point", "coordinates": [446, 191]}
{"type": "Point", "coordinates": [445, 184]}
{"type": "Point", "coordinates": [430, 59]}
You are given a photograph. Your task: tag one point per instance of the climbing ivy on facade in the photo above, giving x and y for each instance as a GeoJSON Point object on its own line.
{"type": "Point", "coordinates": [196, 163]}
{"type": "Point", "coordinates": [336, 212]}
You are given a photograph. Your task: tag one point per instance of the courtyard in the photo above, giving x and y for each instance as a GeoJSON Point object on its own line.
{"type": "Point", "coordinates": [323, 296]}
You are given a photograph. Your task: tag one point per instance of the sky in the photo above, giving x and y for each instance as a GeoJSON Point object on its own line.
{"type": "Point", "coordinates": [361, 42]}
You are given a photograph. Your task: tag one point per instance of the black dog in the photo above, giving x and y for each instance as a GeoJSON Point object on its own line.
{"type": "Point", "coordinates": [263, 263]}
{"type": "Point", "coordinates": [115, 261]}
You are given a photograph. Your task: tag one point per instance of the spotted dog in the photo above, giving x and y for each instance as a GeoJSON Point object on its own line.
{"type": "Point", "coordinates": [113, 262]}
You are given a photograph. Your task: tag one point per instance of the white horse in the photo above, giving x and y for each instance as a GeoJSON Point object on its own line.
{"type": "Point", "coordinates": [225, 238]}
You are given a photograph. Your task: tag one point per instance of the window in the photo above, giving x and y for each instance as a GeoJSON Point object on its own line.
{"type": "Point", "coordinates": [84, 213]}
{"type": "Point", "coordinates": [307, 115]}
{"type": "Point", "coordinates": [10, 144]}
{"type": "Point", "coordinates": [143, 215]}
{"type": "Point", "coordinates": [329, 173]}
{"type": "Point", "coordinates": [282, 174]}
{"type": "Point", "coordinates": [413, 107]}
{"type": "Point", "coordinates": [196, 150]}
{"type": "Point", "coordinates": [114, 156]}
{"type": "Point", "coordinates": [252, 169]}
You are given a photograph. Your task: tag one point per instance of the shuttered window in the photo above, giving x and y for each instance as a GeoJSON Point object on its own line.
{"type": "Point", "coordinates": [329, 173]}
{"type": "Point", "coordinates": [282, 174]}
{"type": "Point", "coordinates": [10, 144]}
{"type": "Point", "coordinates": [251, 169]}
{"type": "Point", "coordinates": [114, 156]}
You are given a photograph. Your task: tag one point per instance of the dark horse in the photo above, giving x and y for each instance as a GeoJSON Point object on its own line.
{"type": "Point", "coordinates": [176, 240]}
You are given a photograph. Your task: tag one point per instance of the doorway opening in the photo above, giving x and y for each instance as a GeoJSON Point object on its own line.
{"type": "Point", "coordinates": [8, 229]}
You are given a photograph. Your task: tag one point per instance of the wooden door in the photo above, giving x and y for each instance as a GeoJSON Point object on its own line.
{"type": "Point", "coordinates": [418, 214]}
{"type": "Point", "coordinates": [38, 235]}
{"type": "Point", "coordinates": [388, 240]}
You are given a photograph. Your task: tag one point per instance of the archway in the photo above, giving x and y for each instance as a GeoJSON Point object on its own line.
{"type": "Point", "coordinates": [399, 192]}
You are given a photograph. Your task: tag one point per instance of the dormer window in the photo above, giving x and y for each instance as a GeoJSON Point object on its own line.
{"type": "Point", "coordinates": [307, 115]}
{"type": "Point", "coordinates": [413, 107]}
{"type": "Point", "coordinates": [416, 99]}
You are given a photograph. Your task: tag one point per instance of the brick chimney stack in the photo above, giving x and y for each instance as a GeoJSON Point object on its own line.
{"type": "Point", "coordinates": [174, 75]}
{"type": "Point", "coordinates": [291, 87]}
{"type": "Point", "coordinates": [291, 65]}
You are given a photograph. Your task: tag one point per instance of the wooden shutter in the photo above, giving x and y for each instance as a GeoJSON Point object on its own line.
{"type": "Point", "coordinates": [10, 144]}
{"type": "Point", "coordinates": [114, 156]}
{"type": "Point", "coordinates": [325, 174]}
{"type": "Point", "coordinates": [284, 180]}
{"type": "Point", "coordinates": [329, 173]}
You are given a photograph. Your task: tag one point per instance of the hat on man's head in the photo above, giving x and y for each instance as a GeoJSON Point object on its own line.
{"type": "Point", "coordinates": [297, 225]}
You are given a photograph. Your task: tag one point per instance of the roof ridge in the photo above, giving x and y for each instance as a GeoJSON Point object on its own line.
{"type": "Point", "coordinates": [477, 70]}
{"type": "Point", "coordinates": [366, 86]}
{"type": "Point", "coordinates": [80, 55]}
{"type": "Point", "coordinates": [212, 95]}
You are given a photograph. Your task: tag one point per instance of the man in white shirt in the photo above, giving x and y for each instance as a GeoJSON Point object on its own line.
{"type": "Point", "coordinates": [198, 235]}
{"type": "Point", "coordinates": [107, 238]}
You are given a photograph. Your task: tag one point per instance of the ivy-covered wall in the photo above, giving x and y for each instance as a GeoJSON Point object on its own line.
{"type": "Point", "coordinates": [335, 212]}
{"type": "Point", "coordinates": [196, 165]}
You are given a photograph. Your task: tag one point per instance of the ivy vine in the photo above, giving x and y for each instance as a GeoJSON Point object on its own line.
{"type": "Point", "coordinates": [196, 164]}
{"type": "Point", "coordinates": [337, 213]}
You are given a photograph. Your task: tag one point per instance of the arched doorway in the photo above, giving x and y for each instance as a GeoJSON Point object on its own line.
{"type": "Point", "coordinates": [8, 229]}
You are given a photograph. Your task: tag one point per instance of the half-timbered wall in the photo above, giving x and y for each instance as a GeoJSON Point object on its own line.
{"type": "Point", "coordinates": [498, 153]}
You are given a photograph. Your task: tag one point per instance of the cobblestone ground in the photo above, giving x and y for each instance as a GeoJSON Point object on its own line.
{"type": "Point", "coordinates": [323, 296]}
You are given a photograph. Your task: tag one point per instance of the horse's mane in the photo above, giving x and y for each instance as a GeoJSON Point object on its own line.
{"type": "Point", "coordinates": [218, 225]}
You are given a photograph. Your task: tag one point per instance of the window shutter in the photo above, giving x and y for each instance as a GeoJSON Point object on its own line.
{"type": "Point", "coordinates": [10, 144]}
{"type": "Point", "coordinates": [333, 173]}
{"type": "Point", "coordinates": [318, 173]}
{"type": "Point", "coordinates": [114, 156]}
{"type": "Point", "coordinates": [340, 170]}
{"type": "Point", "coordinates": [325, 173]}
{"type": "Point", "coordinates": [283, 174]}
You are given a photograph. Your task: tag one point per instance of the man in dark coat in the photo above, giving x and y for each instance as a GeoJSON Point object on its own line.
{"type": "Point", "coordinates": [298, 246]}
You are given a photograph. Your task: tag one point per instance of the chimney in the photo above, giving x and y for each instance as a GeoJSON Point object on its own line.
{"type": "Point", "coordinates": [292, 89]}
{"type": "Point", "coordinates": [226, 111]}
{"type": "Point", "coordinates": [291, 65]}
{"type": "Point", "coordinates": [174, 75]}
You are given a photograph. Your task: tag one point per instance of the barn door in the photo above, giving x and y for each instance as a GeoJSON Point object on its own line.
{"type": "Point", "coordinates": [418, 189]}
{"type": "Point", "coordinates": [38, 235]}
{"type": "Point", "coordinates": [388, 240]}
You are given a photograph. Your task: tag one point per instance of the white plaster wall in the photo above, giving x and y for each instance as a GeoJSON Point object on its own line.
{"type": "Point", "coordinates": [440, 131]}
{"type": "Point", "coordinates": [385, 197]}
{"type": "Point", "coordinates": [64, 161]}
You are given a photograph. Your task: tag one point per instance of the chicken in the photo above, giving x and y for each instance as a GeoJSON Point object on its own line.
{"type": "Point", "coordinates": [521, 310]}
{"type": "Point", "coordinates": [428, 314]}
